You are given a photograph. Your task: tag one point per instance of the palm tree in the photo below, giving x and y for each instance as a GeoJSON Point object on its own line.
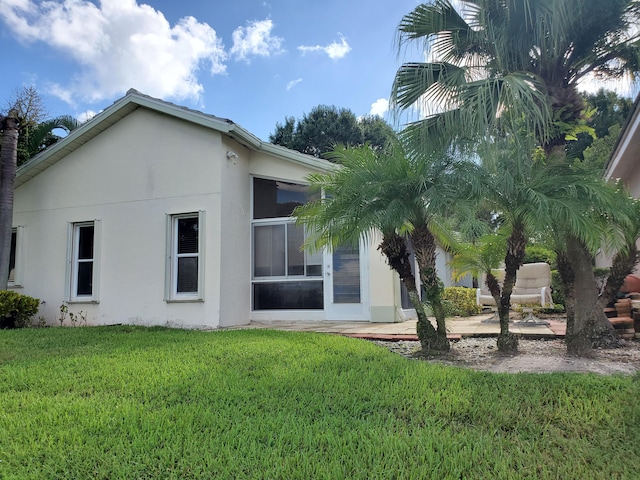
{"type": "Point", "coordinates": [41, 136]}
{"type": "Point", "coordinates": [350, 209]}
{"type": "Point", "coordinates": [423, 190]}
{"type": "Point", "coordinates": [8, 155]}
{"type": "Point", "coordinates": [399, 197]}
{"type": "Point", "coordinates": [618, 222]}
{"type": "Point", "coordinates": [626, 257]}
{"type": "Point", "coordinates": [515, 65]}
{"type": "Point", "coordinates": [33, 141]}
{"type": "Point", "coordinates": [525, 196]}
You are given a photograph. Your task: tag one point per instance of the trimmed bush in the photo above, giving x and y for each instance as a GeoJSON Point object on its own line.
{"type": "Point", "coordinates": [16, 309]}
{"type": "Point", "coordinates": [557, 292]}
{"type": "Point", "coordinates": [460, 301]}
{"type": "Point", "coordinates": [538, 253]}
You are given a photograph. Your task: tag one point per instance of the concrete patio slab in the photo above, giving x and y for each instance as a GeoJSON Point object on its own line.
{"type": "Point", "coordinates": [457, 328]}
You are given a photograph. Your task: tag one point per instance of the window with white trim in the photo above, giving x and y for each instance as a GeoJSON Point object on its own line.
{"type": "Point", "coordinates": [15, 258]}
{"type": "Point", "coordinates": [83, 261]}
{"type": "Point", "coordinates": [184, 257]}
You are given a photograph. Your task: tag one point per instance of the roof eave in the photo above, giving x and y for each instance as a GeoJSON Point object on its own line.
{"type": "Point", "coordinates": [628, 131]}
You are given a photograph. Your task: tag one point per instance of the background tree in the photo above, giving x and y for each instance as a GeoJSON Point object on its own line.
{"type": "Point", "coordinates": [24, 132]}
{"type": "Point", "coordinates": [596, 155]}
{"type": "Point", "coordinates": [508, 66]}
{"type": "Point", "coordinates": [285, 133]}
{"type": "Point", "coordinates": [27, 107]}
{"type": "Point", "coordinates": [35, 130]}
{"type": "Point", "coordinates": [609, 110]}
{"type": "Point", "coordinates": [375, 131]}
{"type": "Point", "coordinates": [325, 127]}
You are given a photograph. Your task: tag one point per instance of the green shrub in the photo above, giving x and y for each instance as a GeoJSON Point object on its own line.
{"type": "Point", "coordinates": [557, 292]}
{"type": "Point", "coordinates": [538, 253]}
{"type": "Point", "coordinates": [555, 308]}
{"type": "Point", "coordinates": [460, 301]}
{"type": "Point", "coordinates": [16, 309]}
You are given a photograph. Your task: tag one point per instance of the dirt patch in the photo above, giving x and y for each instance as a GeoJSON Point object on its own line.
{"type": "Point", "coordinates": [537, 356]}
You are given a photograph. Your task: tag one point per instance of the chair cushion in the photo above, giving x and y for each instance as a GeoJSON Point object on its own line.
{"type": "Point", "coordinates": [487, 300]}
{"type": "Point", "coordinates": [530, 279]}
{"type": "Point", "coordinates": [525, 298]}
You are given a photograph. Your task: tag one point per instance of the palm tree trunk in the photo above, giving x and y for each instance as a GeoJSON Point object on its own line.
{"type": "Point", "coordinates": [8, 156]}
{"type": "Point", "coordinates": [516, 243]}
{"type": "Point", "coordinates": [394, 248]}
{"type": "Point", "coordinates": [424, 246]}
{"type": "Point", "coordinates": [567, 279]}
{"type": "Point", "coordinates": [589, 325]}
{"type": "Point", "coordinates": [622, 265]}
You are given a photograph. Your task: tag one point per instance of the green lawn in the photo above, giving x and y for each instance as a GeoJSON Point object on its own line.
{"type": "Point", "coordinates": [129, 402]}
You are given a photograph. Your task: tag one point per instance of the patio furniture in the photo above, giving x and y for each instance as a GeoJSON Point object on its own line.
{"type": "Point", "coordinates": [532, 287]}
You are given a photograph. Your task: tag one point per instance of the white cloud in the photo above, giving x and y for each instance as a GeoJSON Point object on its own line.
{"type": "Point", "coordinates": [86, 116]}
{"type": "Point", "coordinates": [118, 45]}
{"type": "Point", "coordinates": [255, 40]}
{"type": "Point", "coordinates": [57, 90]}
{"type": "Point", "coordinates": [293, 83]}
{"type": "Point", "coordinates": [335, 50]}
{"type": "Point", "coordinates": [379, 107]}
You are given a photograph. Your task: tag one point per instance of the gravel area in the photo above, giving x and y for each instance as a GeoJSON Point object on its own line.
{"type": "Point", "coordinates": [538, 356]}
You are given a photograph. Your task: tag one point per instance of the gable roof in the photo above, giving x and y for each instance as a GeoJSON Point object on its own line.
{"type": "Point", "coordinates": [626, 151]}
{"type": "Point", "coordinates": [134, 100]}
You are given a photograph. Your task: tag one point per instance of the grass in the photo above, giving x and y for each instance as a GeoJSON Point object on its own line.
{"type": "Point", "coordinates": [129, 402]}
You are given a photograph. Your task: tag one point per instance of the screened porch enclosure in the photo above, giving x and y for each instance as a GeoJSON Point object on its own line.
{"type": "Point", "coordinates": [284, 276]}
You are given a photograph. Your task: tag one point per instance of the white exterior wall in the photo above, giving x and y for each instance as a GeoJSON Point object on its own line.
{"type": "Point", "coordinates": [623, 166]}
{"type": "Point", "coordinates": [266, 166]}
{"type": "Point", "coordinates": [129, 177]}
{"type": "Point", "coordinates": [235, 242]}
{"type": "Point", "coordinates": [445, 272]}
{"type": "Point", "coordinates": [632, 181]}
{"type": "Point", "coordinates": [384, 286]}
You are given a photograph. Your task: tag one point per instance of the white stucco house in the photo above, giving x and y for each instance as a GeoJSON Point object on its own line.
{"type": "Point", "coordinates": [625, 159]}
{"type": "Point", "coordinates": [624, 164]}
{"type": "Point", "coordinates": [156, 214]}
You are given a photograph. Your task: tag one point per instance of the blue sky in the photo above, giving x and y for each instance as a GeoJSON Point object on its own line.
{"type": "Point", "coordinates": [252, 61]}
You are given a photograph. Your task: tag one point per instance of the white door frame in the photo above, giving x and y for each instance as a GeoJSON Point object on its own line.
{"type": "Point", "coordinates": [347, 311]}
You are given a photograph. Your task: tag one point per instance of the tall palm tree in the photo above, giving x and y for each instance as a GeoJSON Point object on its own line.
{"type": "Point", "coordinates": [514, 65]}
{"type": "Point", "coordinates": [423, 190]}
{"type": "Point", "coordinates": [533, 195]}
{"type": "Point", "coordinates": [34, 140]}
{"type": "Point", "coordinates": [350, 208]}
{"type": "Point", "coordinates": [400, 197]}
{"type": "Point", "coordinates": [8, 155]}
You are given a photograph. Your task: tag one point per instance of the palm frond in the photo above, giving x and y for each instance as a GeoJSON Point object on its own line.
{"type": "Point", "coordinates": [416, 81]}
{"type": "Point", "coordinates": [427, 20]}
{"type": "Point", "coordinates": [38, 134]}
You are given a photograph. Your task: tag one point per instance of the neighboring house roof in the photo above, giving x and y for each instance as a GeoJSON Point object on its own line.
{"type": "Point", "coordinates": [626, 153]}
{"type": "Point", "coordinates": [133, 100]}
